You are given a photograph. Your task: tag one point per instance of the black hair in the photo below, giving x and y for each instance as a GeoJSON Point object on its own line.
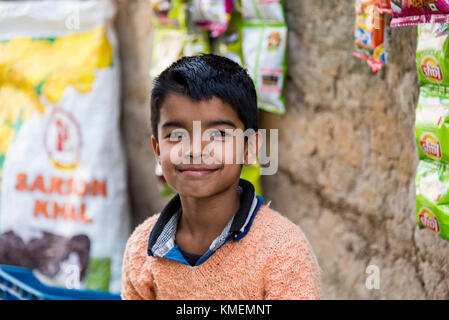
{"type": "Point", "coordinates": [203, 77]}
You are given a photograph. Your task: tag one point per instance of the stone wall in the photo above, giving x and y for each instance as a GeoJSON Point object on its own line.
{"type": "Point", "coordinates": [347, 156]}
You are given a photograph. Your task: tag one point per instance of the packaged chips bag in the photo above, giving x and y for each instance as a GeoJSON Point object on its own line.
{"type": "Point", "coordinates": [63, 209]}
{"type": "Point", "coordinates": [372, 34]}
{"type": "Point", "coordinates": [263, 11]}
{"type": "Point", "coordinates": [432, 129]}
{"type": "Point", "coordinates": [212, 15]}
{"type": "Point", "coordinates": [432, 125]}
{"type": "Point", "coordinates": [229, 44]}
{"type": "Point", "coordinates": [432, 200]}
{"type": "Point", "coordinates": [412, 12]}
{"type": "Point", "coordinates": [170, 32]}
{"type": "Point", "coordinates": [432, 54]}
{"type": "Point", "coordinates": [175, 36]}
{"type": "Point", "coordinates": [384, 6]}
{"type": "Point", "coordinates": [264, 52]}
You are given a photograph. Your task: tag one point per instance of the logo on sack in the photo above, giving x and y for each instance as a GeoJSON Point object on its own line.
{"type": "Point", "coordinates": [429, 220]}
{"type": "Point", "coordinates": [431, 69]}
{"type": "Point", "coordinates": [430, 145]}
{"type": "Point", "coordinates": [63, 139]}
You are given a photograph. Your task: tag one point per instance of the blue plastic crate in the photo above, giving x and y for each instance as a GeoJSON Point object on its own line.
{"type": "Point", "coordinates": [18, 283]}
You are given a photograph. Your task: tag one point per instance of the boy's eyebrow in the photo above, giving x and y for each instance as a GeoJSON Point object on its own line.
{"type": "Point", "coordinates": [219, 122]}
{"type": "Point", "coordinates": [208, 124]}
{"type": "Point", "coordinates": [173, 123]}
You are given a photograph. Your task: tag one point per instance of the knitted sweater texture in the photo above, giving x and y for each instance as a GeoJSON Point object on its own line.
{"type": "Point", "coordinates": [274, 261]}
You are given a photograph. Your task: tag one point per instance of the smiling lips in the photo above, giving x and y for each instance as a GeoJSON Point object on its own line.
{"type": "Point", "coordinates": [197, 171]}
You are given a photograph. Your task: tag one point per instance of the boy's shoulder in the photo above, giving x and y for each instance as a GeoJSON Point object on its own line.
{"type": "Point", "coordinates": [273, 223]}
{"type": "Point", "coordinates": [277, 231]}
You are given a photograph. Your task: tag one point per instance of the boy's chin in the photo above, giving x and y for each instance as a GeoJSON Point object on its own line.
{"type": "Point", "coordinates": [198, 191]}
{"type": "Point", "coordinates": [201, 189]}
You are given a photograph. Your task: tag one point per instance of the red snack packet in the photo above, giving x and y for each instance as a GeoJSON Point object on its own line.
{"type": "Point", "coordinates": [384, 6]}
{"type": "Point", "coordinates": [412, 12]}
{"type": "Point", "coordinates": [371, 34]}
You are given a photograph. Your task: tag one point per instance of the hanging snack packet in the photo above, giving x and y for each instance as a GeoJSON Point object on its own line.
{"type": "Point", "coordinates": [263, 11]}
{"type": "Point", "coordinates": [168, 46]}
{"type": "Point", "coordinates": [432, 181]}
{"type": "Point", "coordinates": [384, 6]}
{"type": "Point", "coordinates": [432, 55]}
{"type": "Point", "coordinates": [432, 210]}
{"type": "Point", "coordinates": [196, 43]}
{"type": "Point", "coordinates": [212, 15]}
{"type": "Point", "coordinates": [169, 35]}
{"type": "Point", "coordinates": [412, 12]}
{"type": "Point", "coordinates": [432, 125]}
{"type": "Point", "coordinates": [229, 44]}
{"type": "Point", "coordinates": [169, 13]}
{"type": "Point", "coordinates": [372, 34]}
{"type": "Point", "coordinates": [264, 53]}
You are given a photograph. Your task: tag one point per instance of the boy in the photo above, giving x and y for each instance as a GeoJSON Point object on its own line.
{"type": "Point", "coordinates": [214, 239]}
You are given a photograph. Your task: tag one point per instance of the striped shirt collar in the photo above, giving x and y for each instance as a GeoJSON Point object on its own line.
{"type": "Point", "coordinates": [161, 242]}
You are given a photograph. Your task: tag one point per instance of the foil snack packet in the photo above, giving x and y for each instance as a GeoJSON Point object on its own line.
{"type": "Point", "coordinates": [431, 55]}
{"type": "Point", "coordinates": [432, 125]}
{"type": "Point", "coordinates": [372, 34]}
{"type": "Point", "coordinates": [229, 44]}
{"type": "Point", "coordinates": [264, 53]}
{"type": "Point", "coordinates": [263, 11]}
{"type": "Point", "coordinates": [432, 210]}
{"type": "Point", "coordinates": [412, 12]}
{"type": "Point", "coordinates": [211, 15]}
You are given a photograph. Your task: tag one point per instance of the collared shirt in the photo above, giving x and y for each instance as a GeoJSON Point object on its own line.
{"type": "Point", "coordinates": [161, 242]}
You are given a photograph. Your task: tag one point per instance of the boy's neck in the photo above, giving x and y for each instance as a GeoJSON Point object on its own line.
{"type": "Point", "coordinates": [203, 219]}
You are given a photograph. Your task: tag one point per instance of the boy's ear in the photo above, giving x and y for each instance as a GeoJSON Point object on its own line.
{"type": "Point", "coordinates": [252, 148]}
{"type": "Point", "coordinates": [157, 151]}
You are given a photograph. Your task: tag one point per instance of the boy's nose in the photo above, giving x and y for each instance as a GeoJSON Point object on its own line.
{"type": "Point", "coordinates": [197, 149]}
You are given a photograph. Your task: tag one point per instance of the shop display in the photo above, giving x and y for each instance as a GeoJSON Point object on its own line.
{"type": "Point", "coordinates": [431, 129]}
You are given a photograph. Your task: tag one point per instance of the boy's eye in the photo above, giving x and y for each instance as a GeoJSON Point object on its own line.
{"type": "Point", "coordinates": [175, 135]}
{"type": "Point", "coordinates": [220, 134]}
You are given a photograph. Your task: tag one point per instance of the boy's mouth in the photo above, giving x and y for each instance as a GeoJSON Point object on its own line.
{"type": "Point", "coordinates": [197, 171]}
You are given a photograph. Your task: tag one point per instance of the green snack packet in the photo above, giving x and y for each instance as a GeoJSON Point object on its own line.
{"type": "Point", "coordinates": [229, 44]}
{"type": "Point", "coordinates": [432, 216]}
{"type": "Point", "coordinates": [432, 181]}
{"type": "Point", "coordinates": [264, 54]}
{"type": "Point", "coordinates": [263, 11]}
{"type": "Point", "coordinates": [168, 46]}
{"type": "Point", "coordinates": [196, 43]}
{"type": "Point", "coordinates": [432, 125]}
{"type": "Point", "coordinates": [168, 13]}
{"type": "Point", "coordinates": [432, 54]}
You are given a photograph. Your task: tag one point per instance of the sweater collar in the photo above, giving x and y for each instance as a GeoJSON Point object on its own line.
{"type": "Point", "coordinates": [162, 236]}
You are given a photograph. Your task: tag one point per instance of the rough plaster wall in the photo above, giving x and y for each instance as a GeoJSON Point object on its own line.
{"type": "Point", "coordinates": [348, 159]}
{"type": "Point", "coordinates": [346, 149]}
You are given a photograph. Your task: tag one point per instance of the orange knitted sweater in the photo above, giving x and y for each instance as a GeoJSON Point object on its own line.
{"type": "Point", "coordinates": [273, 261]}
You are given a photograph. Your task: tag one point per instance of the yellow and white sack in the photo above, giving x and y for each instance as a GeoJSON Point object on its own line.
{"type": "Point", "coordinates": [64, 208]}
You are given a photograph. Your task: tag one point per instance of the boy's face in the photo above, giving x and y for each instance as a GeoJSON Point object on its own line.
{"type": "Point", "coordinates": [196, 148]}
